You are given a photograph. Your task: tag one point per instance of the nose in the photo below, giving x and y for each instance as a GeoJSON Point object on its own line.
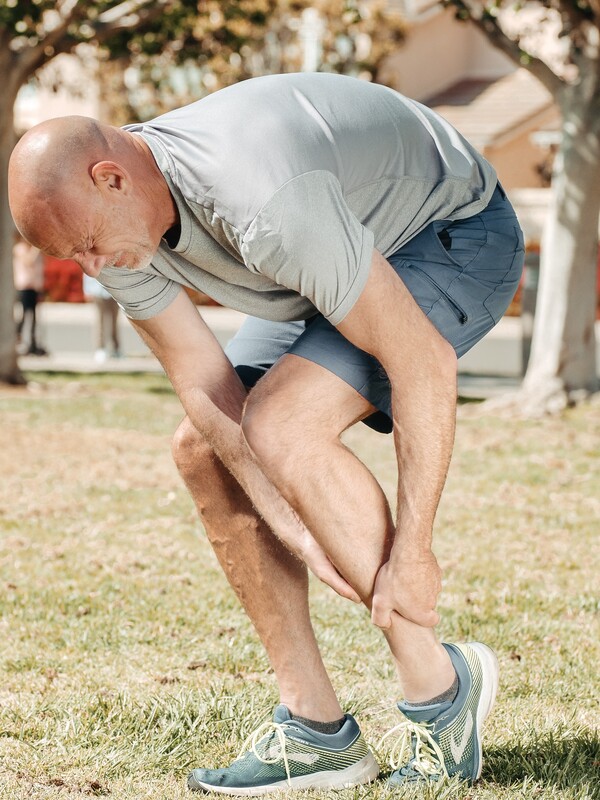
{"type": "Point", "coordinates": [91, 264]}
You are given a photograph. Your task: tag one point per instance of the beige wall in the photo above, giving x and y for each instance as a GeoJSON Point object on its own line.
{"type": "Point", "coordinates": [440, 51]}
{"type": "Point", "coordinates": [515, 160]}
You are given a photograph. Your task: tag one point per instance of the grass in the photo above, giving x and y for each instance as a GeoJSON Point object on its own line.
{"type": "Point", "coordinates": [125, 660]}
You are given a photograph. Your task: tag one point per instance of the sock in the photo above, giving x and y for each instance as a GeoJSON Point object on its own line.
{"type": "Point", "coordinates": [320, 727]}
{"type": "Point", "coordinates": [445, 697]}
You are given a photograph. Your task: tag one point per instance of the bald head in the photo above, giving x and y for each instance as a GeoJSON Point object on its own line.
{"type": "Point", "coordinates": [51, 165]}
{"type": "Point", "coordinates": [81, 189]}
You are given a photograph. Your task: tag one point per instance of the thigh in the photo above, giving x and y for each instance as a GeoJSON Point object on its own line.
{"type": "Point", "coordinates": [305, 401]}
{"type": "Point", "coordinates": [259, 344]}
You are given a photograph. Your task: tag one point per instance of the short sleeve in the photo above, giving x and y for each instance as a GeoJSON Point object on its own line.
{"type": "Point", "coordinates": [140, 294]}
{"type": "Point", "coordinates": [307, 239]}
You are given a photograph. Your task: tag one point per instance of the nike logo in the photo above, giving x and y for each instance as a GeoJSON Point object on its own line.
{"type": "Point", "coordinates": [458, 749]}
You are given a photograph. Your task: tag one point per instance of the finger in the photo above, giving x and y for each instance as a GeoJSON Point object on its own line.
{"type": "Point", "coordinates": [381, 617]}
{"type": "Point", "coordinates": [340, 585]}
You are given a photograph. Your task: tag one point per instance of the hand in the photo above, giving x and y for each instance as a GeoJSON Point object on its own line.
{"type": "Point", "coordinates": [410, 587]}
{"type": "Point", "coordinates": [318, 562]}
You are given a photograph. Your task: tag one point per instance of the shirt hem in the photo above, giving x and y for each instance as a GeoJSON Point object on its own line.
{"type": "Point", "coordinates": [358, 284]}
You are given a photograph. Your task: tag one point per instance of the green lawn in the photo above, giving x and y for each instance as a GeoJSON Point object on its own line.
{"type": "Point", "coordinates": [125, 660]}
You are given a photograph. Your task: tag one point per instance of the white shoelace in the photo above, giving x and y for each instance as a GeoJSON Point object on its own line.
{"type": "Point", "coordinates": [427, 759]}
{"type": "Point", "coordinates": [254, 739]}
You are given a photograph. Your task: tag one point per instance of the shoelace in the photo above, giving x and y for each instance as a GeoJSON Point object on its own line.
{"type": "Point", "coordinates": [427, 758]}
{"type": "Point", "coordinates": [254, 740]}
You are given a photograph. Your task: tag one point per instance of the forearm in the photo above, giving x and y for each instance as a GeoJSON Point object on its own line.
{"type": "Point", "coordinates": [424, 411]}
{"type": "Point", "coordinates": [225, 436]}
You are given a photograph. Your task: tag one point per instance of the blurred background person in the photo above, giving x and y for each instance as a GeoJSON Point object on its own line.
{"type": "Point", "coordinates": [28, 269]}
{"type": "Point", "coordinates": [107, 320]}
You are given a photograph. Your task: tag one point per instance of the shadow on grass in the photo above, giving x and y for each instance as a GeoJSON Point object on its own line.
{"type": "Point", "coordinates": [559, 758]}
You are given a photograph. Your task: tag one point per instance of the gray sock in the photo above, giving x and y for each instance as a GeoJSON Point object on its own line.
{"type": "Point", "coordinates": [321, 727]}
{"type": "Point", "coordinates": [445, 697]}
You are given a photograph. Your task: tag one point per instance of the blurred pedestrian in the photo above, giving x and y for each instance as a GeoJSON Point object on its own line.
{"type": "Point", "coordinates": [107, 321]}
{"type": "Point", "coordinates": [28, 268]}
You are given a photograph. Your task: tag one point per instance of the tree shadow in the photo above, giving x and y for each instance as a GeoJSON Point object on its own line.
{"type": "Point", "coordinates": [559, 758]}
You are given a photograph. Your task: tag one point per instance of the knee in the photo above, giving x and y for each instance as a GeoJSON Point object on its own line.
{"type": "Point", "coordinates": [190, 451]}
{"type": "Point", "coordinates": [447, 356]}
{"type": "Point", "coordinates": [268, 435]}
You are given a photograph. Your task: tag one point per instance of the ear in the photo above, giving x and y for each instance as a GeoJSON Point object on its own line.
{"type": "Point", "coordinates": [110, 176]}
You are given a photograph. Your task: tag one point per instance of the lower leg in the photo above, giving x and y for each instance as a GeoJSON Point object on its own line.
{"type": "Point", "coordinates": [340, 502]}
{"type": "Point", "coordinates": [351, 529]}
{"type": "Point", "coordinates": [271, 584]}
{"type": "Point", "coordinates": [100, 323]}
{"type": "Point", "coordinates": [114, 325]}
{"type": "Point", "coordinates": [33, 328]}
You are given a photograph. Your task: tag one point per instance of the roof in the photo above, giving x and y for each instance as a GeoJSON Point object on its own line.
{"type": "Point", "coordinates": [485, 111]}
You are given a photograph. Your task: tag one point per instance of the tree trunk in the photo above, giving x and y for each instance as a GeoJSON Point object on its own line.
{"type": "Point", "coordinates": [9, 369]}
{"type": "Point", "coordinates": [562, 368]}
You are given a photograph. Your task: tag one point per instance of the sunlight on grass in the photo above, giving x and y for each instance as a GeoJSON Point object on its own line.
{"type": "Point", "coordinates": [125, 659]}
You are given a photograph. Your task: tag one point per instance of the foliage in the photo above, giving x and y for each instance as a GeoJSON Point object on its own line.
{"type": "Point", "coordinates": [213, 42]}
{"type": "Point", "coordinates": [231, 41]}
{"type": "Point", "coordinates": [557, 40]}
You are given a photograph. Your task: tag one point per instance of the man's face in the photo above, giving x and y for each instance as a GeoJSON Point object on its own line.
{"type": "Point", "coordinates": [105, 237]}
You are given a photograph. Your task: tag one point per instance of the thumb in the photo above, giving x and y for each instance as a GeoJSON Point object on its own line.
{"type": "Point", "coordinates": [381, 616]}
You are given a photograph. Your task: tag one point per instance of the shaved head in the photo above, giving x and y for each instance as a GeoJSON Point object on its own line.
{"type": "Point", "coordinates": [51, 164]}
{"type": "Point", "coordinates": [81, 189]}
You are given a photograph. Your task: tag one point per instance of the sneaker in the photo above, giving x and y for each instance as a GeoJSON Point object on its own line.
{"type": "Point", "coordinates": [284, 754]}
{"type": "Point", "coordinates": [445, 739]}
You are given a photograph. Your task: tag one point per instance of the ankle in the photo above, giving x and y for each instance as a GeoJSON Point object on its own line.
{"type": "Point", "coordinates": [447, 696]}
{"type": "Point", "coordinates": [313, 708]}
{"type": "Point", "coordinates": [328, 728]}
{"type": "Point", "coordinates": [435, 677]}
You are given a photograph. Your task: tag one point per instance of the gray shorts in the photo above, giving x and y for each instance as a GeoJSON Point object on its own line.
{"type": "Point", "coordinates": [463, 275]}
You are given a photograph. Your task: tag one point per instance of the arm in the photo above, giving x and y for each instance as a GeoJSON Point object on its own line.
{"type": "Point", "coordinates": [213, 397]}
{"type": "Point", "coordinates": [421, 365]}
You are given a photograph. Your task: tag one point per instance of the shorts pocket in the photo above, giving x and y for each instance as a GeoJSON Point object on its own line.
{"type": "Point", "coordinates": [427, 291]}
{"type": "Point", "coordinates": [443, 295]}
{"type": "Point", "coordinates": [460, 241]}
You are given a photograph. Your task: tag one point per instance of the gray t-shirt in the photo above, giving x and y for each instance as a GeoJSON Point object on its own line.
{"type": "Point", "coordinates": [285, 184]}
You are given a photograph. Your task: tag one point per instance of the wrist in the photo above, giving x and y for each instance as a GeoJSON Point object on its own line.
{"type": "Point", "coordinates": [415, 548]}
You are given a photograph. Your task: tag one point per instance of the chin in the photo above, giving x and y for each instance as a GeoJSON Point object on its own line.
{"type": "Point", "coordinates": [139, 261]}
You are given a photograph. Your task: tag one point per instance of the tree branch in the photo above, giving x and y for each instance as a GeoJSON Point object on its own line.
{"type": "Point", "coordinates": [126, 16]}
{"type": "Point", "coordinates": [30, 59]}
{"type": "Point", "coordinates": [489, 24]}
{"type": "Point", "coordinates": [579, 13]}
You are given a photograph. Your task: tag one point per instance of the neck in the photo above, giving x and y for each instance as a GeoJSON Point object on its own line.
{"type": "Point", "coordinates": [156, 188]}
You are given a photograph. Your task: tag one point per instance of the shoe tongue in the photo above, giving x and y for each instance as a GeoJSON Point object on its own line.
{"type": "Point", "coordinates": [423, 713]}
{"type": "Point", "coordinates": [281, 714]}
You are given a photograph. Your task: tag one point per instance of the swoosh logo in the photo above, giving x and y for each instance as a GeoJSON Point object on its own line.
{"type": "Point", "coordinates": [458, 749]}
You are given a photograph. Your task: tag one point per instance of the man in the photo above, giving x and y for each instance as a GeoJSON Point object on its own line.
{"type": "Point", "coordinates": [325, 207]}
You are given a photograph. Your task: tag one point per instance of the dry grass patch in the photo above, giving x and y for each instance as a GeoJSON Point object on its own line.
{"type": "Point", "coordinates": [124, 658]}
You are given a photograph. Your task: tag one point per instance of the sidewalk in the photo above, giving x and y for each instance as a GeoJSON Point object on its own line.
{"type": "Point", "coordinates": [492, 367]}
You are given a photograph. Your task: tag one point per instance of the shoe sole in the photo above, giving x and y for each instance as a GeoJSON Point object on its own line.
{"type": "Point", "coordinates": [364, 771]}
{"type": "Point", "coordinates": [489, 687]}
